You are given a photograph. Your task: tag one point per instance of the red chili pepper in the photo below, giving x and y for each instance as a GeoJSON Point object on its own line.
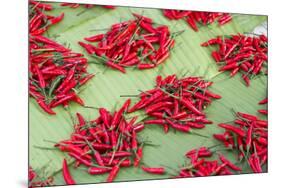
{"type": "Point", "coordinates": [249, 136]}
{"type": "Point", "coordinates": [229, 164]}
{"type": "Point", "coordinates": [42, 82]}
{"type": "Point", "coordinates": [154, 170]}
{"type": "Point", "coordinates": [63, 99]}
{"type": "Point", "coordinates": [212, 42]}
{"type": "Point", "coordinates": [80, 159]}
{"type": "Point", "coordinates": [190, 106]}
{"type": "Point", "coordinates": [264, 101]}
{"type": "Point", "coordinates": [66, 174]}
{"type": "Point", "coordinates": [95, 38]}
{"type": "Point", "coordinates": [57, 19]}
{"type": "Point", "coordinates": [115, 66]}
{"type": "Point", "coordinates": [264, 112]}
{"type": "Point", "coordinates": [86, 79]}
{"type": "Point", "coordinates": [192, 24]}
{"type": "Point", "coordinates": [234, 129]}
{"type": "Point", "coordinates": [246, 79]}
{"type": "Point", "coordinates": [96, 170]}
{"type": "Point", "coordinates": [113, 173]}
{"type": "Point", "coordinates": [216, 56]}
{"type": "Point", "coordinates": [145, 66]}
{"type": "Point", "coordinates": [44, 106]}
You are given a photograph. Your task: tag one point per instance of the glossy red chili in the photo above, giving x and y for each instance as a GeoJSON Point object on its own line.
{"type": "Point", "coordinates": [66, 174]}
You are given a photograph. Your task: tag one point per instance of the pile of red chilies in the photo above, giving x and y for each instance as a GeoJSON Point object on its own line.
{"type": "Point", "coordinates": [176, 103]}
{"type": "Point", "coordinates": [33, 180]}
{"type": "Point", "coordinates": [39, 21]}
{"type": "Point", "coordinates": [248, 137]}
{"type": "Point", "coordinates": [76, 5]}
{"type": "Point", "coordinates": [262, 102]}
{"type": "Point", "coordinates": [240, 53]}
{"type": "Point", "coordinates": [132, 44]}
{"type": "Point", "coordinates": [194, 18]}
{"type": "Point", "coordinates": [199, 166]}
{"type": "Point", "coordinates": [55, 73]}
{"type": "Point", "coordinates": [106, 143]}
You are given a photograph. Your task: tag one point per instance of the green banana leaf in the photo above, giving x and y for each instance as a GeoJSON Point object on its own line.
{"type": "Point", "coordinates": [108, 85]}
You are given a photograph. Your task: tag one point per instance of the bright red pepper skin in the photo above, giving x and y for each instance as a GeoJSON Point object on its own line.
{"type": "Point", "coordinates": [66, 174]}
{"type": "Point", "coordinates": [96, 170]}
{"type": "Point", "coordinates": [154, 170]}
{"type": "Point", "coordinates": [113, 174]}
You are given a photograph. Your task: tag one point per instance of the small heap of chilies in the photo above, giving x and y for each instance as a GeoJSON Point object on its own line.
{"type": "Point", "coordinates": [200, 166]}
{"type": "Point", "coordinates": [133, 43]}
{"type": "Point", "coordinates": [248, 138]}
{"type": "Point", "coordinates": [55, 71]}
{"type": "Point", "coordinates": [106, 143]}
{"type": "Point", "coordinates": [262, 102]}
{"type": "Point", "coordinates": [35, 181]}
{"type": "Point", "coordinates": [39, 21]}
{"type": "Point", "coordinates": [194, 18]}
{"type": "Point", "coordinates": [176, 103]}
{"type": "Point", "coordinates": [240, 53]}
{"type": "Point", "coordinates": [76, 5]}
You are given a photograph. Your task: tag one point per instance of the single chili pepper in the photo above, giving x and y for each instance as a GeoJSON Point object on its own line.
{"type": "Point", "coordinates": [264, 101]}
{"type": "Point", "coordinates": [95, 38]}
{"type": "Point", "coordinates": [234, 129]}
{"type": "Point", "coordinates": [86, 79]}
{"type": "Point", "coordinates": [62, 100]}
{"type": "Point", "coordinates": [190, 106]}
{"type": "Point", "coordinates": [155, 121]}
{"type": "Point", "coordinates": [264, 112]}
{"type": "Point", "coordinates": [66, 174]}
{"type": "Point", "coordinates": [216, 56]}
{"type": "Point", "coordinates": [154, 170]}
{"type": "Point", "coordinates": [113, 173]}
{"type": "Point", "coordinates": [192, 24]}
{"type": "Point", "coordinates": [212, 42]}
{"type": "Point", "coordinates": [145, 66]}
{"type": "Point", "coordinates": [44, 106]}
{"type": "Point", "coordinates": [201, 152]}
{"type": "Point", "coordinates": [56, 19]}
{"type": "Point", "coordinates": [115, 66]}
{"type": "Point", "coordinates": [249, 137]}
{"type": "Point", "coordinates": [96, 170]}
{"type": "Point", "coordinates": [80, 159]}
{"type": "Point", "coordinates": [229, 164]}
{"type": "Point", "coordinates": [139, 127]}
{"type": "Point", "coordinates": [247, 116]}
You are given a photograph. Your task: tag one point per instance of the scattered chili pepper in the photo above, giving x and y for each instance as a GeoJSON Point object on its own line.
{"type": "Point", "coordinates": [263, 111]}
{"type": "Point", "coordinates": [34, 180]}
{"type": "Point", "coordinates": [76, 5]}
{"type": "Point", "coordinates": [199, 165]}
{"type": "Point", "coordinates": [66, 174]}
{"type": "Point", "coordinates": [154, 170]}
